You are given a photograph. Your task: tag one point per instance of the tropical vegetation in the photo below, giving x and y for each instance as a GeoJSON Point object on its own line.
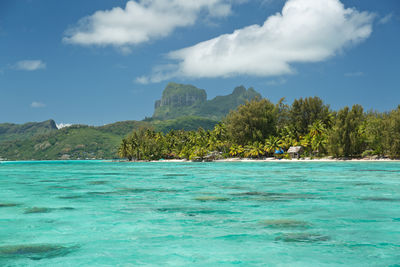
{"type": "Point", "coordinates": [260, 129]}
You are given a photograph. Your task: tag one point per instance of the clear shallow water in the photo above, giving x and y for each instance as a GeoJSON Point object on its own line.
{"type": "Point", "coordinates": [78, 213]}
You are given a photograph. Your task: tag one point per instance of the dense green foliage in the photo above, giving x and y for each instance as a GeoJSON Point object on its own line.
{"type": "Point", "coordinates": [248, 127]}
{"type": "Point", "coordinates": [187, 123]}
{"type": "Point", "coordinates": [347, 137]}
{"type": "Point", "coordinates": [77, 141]}
{"type": "Point", "coordinates": [146, 144]}
{"type": "Point", "coordinates": [186, 100]}
{"type": "Point", "coordinates": [253, 122]}
{"type": "Point", "coordinates": [304, 112]}
{"type": "Point", "coordinates": [81, 141]}
{"type": "Point", "coordinates": [259, 129]}
{"type": "Point", "coordinates": [10, 131]}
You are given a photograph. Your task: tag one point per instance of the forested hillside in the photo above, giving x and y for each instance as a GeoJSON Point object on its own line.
{"type": "Point", "coordinates": [261, 128]}
{"type": "Point", "coordinates": [10, 131]}
{"type": "Point", "coordinates": [182, 107]}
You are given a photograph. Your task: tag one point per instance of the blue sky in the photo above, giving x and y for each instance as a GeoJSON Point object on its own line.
{"type": "Point", "coordinates": [97, 62]}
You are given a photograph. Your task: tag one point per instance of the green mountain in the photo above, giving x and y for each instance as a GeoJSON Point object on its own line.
{"type": "Point", "coordinates": [88, 142]}
{"type": "Point", "coordinates": [10, 131]}
{"type": "Point", "coordinates": [188, 123]}
{"type": "Point", "coordinates": [74, 142]}
{"type": "Point", "coordinates": [186, 100]}
{"type": "Point", "coordinates": [181, 107]}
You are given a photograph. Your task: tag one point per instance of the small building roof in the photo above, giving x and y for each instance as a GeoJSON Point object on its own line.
{"type": "Point", "coordinates": [294, 149]}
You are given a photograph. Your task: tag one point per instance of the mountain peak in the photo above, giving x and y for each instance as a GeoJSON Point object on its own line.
{"type": "Point", "coordinates": [10, 131]}
{"type": "Point", "coordinates": [187, 100]}
{"type": "Point", "coordinates": [179, 95]}
{"type": "Point", "coordinates": [239, 90]}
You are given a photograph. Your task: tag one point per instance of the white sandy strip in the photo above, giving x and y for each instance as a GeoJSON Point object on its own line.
{"type": "Point", "coordinates": [284, 160]}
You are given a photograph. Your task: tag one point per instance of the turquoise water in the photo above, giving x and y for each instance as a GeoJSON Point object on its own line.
{"type": "Point", "coordinates": [92, 213]}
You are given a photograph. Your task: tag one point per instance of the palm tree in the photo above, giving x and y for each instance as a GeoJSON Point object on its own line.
{"type": "Point", "coordinates": [318, 143]}
{"type": "Point", "coordinates": [272, 144]}
{"type": "Point", "coordinates": [317, 128]}
{"type": "Point", "coordinates": [236, 150]}
{"type": "Point", "coordinates": [306, 142]}
{"type": "Point", "coordinates": [123, 150]}
{"type": "Point", "coordinates": [318, 136]}
{"type": "Point", "coordinates": [254, 151]}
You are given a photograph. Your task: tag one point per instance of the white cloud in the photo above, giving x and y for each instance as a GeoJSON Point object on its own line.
{"type": "Point", "coordinates": [142, 21]}
{"type": "Point", "coordinates": [160, 73]}
{"type": "Point", "coordinates": [142, 80]}
{"type": "Point", "coordinates": [35, 104]}
{"type": "Point", "coordinates": [305, 31]}
{"type": "Point", "coordinates": [354, 74]}
{"type": "Point", "coordinates": [30, 65]}
{"type": "Point", "coordinates": [386, 19]}
{"type": "Point", "coordinates": [276, 82]}
{"type": "Point", "coordinates": [63, 125]}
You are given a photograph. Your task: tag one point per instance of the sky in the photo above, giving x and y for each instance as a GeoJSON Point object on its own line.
{"type": "Point", "coordinates": [98, 62]}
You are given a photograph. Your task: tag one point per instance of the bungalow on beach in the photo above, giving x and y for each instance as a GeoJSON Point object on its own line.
{"type": "Point", "coordinates": [295, 151]}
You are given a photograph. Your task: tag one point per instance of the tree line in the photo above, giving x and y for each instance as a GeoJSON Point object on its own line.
{"type": "Point", "coordinates": [260, 128]}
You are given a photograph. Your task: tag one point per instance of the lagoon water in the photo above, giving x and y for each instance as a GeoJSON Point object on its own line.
{"type": "Point", "coordinates": [93, 213]}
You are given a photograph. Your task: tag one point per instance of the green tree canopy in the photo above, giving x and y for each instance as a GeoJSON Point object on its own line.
{"type": "Point", "coordinates": [304, 112]}
{"type": "Point", "coordinates": [347, 138]}
{"type": "Point", "coordinates": [252, 122]}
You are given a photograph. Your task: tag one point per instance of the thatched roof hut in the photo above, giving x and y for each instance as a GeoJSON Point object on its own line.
{"type": "Point", "coordinates": [213, 156]}
{"type": "Point", "coordinates": [295, 151]}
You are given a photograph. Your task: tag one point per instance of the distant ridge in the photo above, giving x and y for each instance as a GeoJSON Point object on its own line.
{"type": "Point", "coordinates": [11, 131]}
{"type": "Point", "coordinates": [181, 107]}
{"type": "Point", "coordinates": [74, 142]}
{"type": "Point", "coordinates": [186, 100]}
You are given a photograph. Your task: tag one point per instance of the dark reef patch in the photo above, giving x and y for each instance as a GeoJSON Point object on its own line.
{"type": "Point", "coordinates": [190, 211]}
{"type": "Point", "coordinates": [98, 193]}
{"type": "Point", "coordinates": [70, 197]}
{"type": "Point", "coordinates": [363, 183]}
{"type": "Point", "coordinates": [66, 208]}
{"type": "Point", "coordinates": [62, 187]}
{"type": "Point", "coordinates": [377, 171]}
{"type": "Point", "coordinates": [128, 191]}
{"type": "Point", "coordinates": [285, 224]}
{"type": "Point", "coordinates": [208, 211]}
{"type": "Point", "coordinates": [211, 198]}
{"type": "Point", "coordinates": [273, 196]}
{"type": "Point", "coordinates": [7, 205]}
{"type": "Point", "coordinates": [173, 209]}
{"type": "Point", "coordinates": [35, 251]}
{"type": "Point", "coordinates": [97, 182]}
{"type": "Point", "coordinates": [302, 237]}
{"type": "Point", "coordinates": [37, 210]}
{"type": "Point", "coordinates": [381, 199]}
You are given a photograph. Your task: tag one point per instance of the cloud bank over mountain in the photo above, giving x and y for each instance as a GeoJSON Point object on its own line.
{"type": "Point", "coordinates": [142, 21]}
{"type": "Point", "coordinates": [305, 31]}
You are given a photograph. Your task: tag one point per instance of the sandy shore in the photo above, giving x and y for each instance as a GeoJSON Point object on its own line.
{"type": "Point", "coordinates": [285, 160]}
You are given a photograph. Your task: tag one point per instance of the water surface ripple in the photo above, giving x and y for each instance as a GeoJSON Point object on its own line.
{"type": "Point", "coordinates": [93, 213]}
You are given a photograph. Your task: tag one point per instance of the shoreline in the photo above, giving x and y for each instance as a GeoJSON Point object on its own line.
{"type": "Point", "coordinates": [278, 160]}
{"type": "Point", "coordinates": [218, 160]}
